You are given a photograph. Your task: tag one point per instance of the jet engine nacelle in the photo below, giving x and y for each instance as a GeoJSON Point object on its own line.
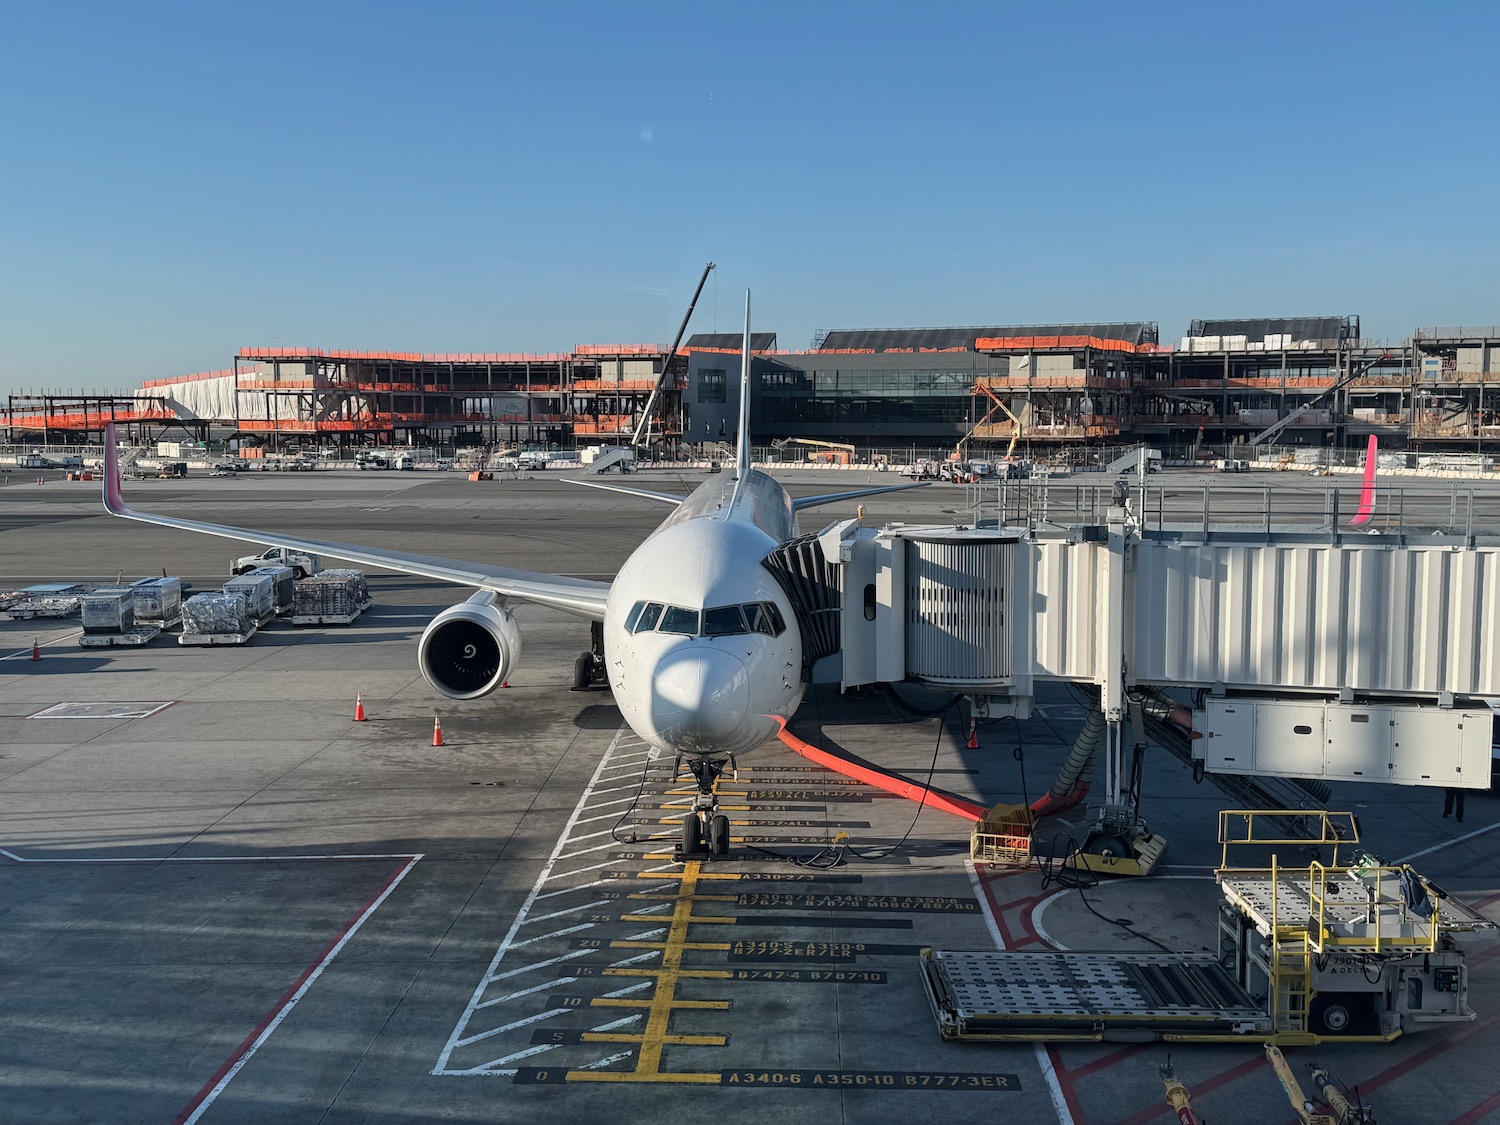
{"type": "Point", "coordinates": [470, 648]}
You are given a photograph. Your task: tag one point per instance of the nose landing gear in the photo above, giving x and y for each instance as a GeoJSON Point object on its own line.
{"type": "Point", "coordinates": [705, 830]}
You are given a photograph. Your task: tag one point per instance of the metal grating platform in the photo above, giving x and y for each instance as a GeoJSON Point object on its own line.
{"type": "Point", "coordinates": [1101, 986]}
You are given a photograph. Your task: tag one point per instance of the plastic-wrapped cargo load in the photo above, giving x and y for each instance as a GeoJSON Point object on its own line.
{"type": "Point", "coordinates": [158, 600]}
{"type": "Point", "coordinates": [256, 590]}
{"type": "Point", "coordinates": [216, 613]}
{"type": "Point", "coordinates": [108, 610]}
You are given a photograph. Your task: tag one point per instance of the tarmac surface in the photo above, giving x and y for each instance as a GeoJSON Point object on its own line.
{"type": "Point", "coordinates": [221, 899]}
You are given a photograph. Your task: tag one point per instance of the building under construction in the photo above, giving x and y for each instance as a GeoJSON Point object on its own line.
{"type": "Point", "coordinates": [1295, 381]}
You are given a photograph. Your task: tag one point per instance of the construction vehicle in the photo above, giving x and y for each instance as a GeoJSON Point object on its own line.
{"type": "Point", "coordinates": [828, 452]}
{"type": "Point", "coordinates": [1347, 950]}
{"type": "Point", "coordinates": [961, 449]}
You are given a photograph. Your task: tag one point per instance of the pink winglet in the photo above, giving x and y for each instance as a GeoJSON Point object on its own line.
{"type": "Point", "coordinates": [1367, 494]}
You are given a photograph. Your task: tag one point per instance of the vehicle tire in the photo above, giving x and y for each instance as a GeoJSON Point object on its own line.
{"type": "Point", "coordinates": [718, 836]}
{"type": "Point", "coordinates": [1342, 1013]}
{"type": "Point", "coordinates": [237, 571]}
{"type": "Point", "coordinates": [583, 671]}
{"type": "Point", "coordinates": [692, 835]}
{"type": "Point", "coordinates": [298, 573]}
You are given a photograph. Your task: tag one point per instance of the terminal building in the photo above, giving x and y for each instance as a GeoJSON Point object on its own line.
{"type": "Point", "coordinates": [1055, 388]}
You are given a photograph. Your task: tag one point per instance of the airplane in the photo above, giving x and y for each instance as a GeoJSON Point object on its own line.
{"type": "Point", "coordinates": [699, 642]}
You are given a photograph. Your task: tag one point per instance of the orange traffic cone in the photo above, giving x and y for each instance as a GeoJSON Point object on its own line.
{"type": "Point", "coordinates": [36, 650]}
{"type": "Point", "coordinates": [359, 708]}
{"type": "Point", "coordinates": [973, 736]}
{"type": "Point", "coordinates": [505, 683]}
{"type": "Point", "coordinates": [437, 730]}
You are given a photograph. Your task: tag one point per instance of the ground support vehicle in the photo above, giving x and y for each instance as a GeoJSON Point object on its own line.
{"type": "Point", "coordinates": [1345, 951]}
{"type": "Point", "coordinates": [302, 565]}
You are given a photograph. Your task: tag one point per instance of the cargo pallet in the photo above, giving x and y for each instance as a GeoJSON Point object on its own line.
{"type": "Point", "coordinates": [330, 618]}
{"type": "Point", "coordinates": [1356, 951]}
{"type": "Point", "coordinates": [216, 638]}
{"type": "Point", "coordinates": [139, 635]}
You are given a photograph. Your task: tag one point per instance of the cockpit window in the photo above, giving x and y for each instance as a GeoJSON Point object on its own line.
{"type": "Point", "coordinates": [765, 618]}
{"type": "Point", "coordinates": [676, 619]}
{"type": "Point", "coordinates": [717, 621]}
{"type": "Point", "coordinates": [723, 621]}
{"type": "Point", "coordinates": [633, 616]}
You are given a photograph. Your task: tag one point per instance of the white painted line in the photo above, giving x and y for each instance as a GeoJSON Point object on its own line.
{"type": "Point", "coordinates": [538, 1018]}
{"type": "Point", "coordinates": [508, 940]}
{"type": "Point", "coordinates": [627, 991]}
{"type": "Point", "coordinates": [1448, 843]}
{"type": "Point", "coordinates": [490, 1067]}
{"type": "Point", "coordinates": [13, 857]}
{"type": "Point", "coordinates": [604, 1062]}
{"type": "Point", "coordinates": [1043, 1059]}
{"type": "Point", "coordinates": [590, 851]}
{"type": "Point", "coordinates": [529, 991]}
{"type": "Point", "coordinates": [577, 953]}
{"type": "Point", "coordinates": [570, 910]}
{"type": "Point", "coordinates": [657, 909]}
{"type": "Point", "coordinates": [204, 1099]}
{"type": "Point", "coordinates": [553, 934]}
{"type": "Point", "coordinates": [644, 934]}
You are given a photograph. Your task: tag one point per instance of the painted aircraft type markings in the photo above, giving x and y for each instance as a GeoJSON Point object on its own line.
{"type": "Point", "coordinates": [624, 969]}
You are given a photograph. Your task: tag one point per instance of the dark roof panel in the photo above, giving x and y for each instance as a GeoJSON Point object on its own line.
{"type": "Point", "coordinates": [1297, 327]}
{"type": "Point", "coordinates": [903, 339]}
{"type": "Point", "coordinates": [759, 341]}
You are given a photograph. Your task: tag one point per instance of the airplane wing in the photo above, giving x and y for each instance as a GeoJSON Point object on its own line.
{"type": "Point", "coordinates": [579, 596]}
{"type": "Point", "coordinates": [643, 493]}
{"type": "Point", "coordinates": [835, 497]}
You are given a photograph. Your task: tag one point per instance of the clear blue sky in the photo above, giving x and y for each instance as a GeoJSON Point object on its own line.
{"type": "Point", "coordinates": [179, 180]}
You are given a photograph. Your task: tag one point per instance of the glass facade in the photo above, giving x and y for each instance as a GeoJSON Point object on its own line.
{"type": "Point", "coordinates": [855, 393]}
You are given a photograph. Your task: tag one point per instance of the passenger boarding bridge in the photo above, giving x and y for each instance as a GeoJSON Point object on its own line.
{"type": "Point", "coordinates": [1309, 649]}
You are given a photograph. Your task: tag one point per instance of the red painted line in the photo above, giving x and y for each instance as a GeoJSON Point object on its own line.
{"type": "Point", "coordinates": [880, 779]}
{"type": "Point", "coordinates": [1479, 1112]}
{"type": "Point", "coordinates": [1198, 1088]}
{"type": "Point", "coordinates": [1107, 1060]}
{"type": "Point", "coordinates": [1065, 1086]}
{"type": "Point", "coordinates": [1411, 1062]}
{"type": "Point", "coordinates": [249, 1041]}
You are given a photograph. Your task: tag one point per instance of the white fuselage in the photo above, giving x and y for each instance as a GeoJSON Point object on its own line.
{"type": "Point", "coordinates": [701, 643]}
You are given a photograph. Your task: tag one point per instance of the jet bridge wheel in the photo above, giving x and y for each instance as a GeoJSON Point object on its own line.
{"type": "Point", "coordinates": [718, 836]}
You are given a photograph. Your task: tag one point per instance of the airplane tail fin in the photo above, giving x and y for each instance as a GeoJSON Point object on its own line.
{"type": "Point", "coordinates": [1367, 493]}
{"type": "Point", "coordinates": [742, 448]}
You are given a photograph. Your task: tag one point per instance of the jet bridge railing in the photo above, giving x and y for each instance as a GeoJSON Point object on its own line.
{"type": "Point", "coordinates": [1207, 509]}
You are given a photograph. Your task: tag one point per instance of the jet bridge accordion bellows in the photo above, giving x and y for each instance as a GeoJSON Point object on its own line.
{"type": "Point", "coordinates": [812, 584]}
{"type": "Point", "coordinates": [959, 608]}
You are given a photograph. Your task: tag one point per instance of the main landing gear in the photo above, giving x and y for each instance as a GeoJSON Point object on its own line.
{"type": "Point", "coordinates": [588, 669]}
{"type": "Point", "coordinates": [705, 830]}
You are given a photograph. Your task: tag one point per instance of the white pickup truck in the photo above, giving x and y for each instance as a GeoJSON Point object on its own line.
{"type": "Point", "coordinates": [302, 564]}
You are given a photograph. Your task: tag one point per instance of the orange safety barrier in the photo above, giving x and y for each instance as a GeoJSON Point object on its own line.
{"type": "Point", "coordinates": [620, 349]}
{"type": "Point", "coordinates": [189, 378]}
{"type": "Point", "coordinates": [1052, 343]}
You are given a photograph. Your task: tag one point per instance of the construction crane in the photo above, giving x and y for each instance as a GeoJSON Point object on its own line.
{"type": "Point", "coordinates": [643, 431]}
{"type": "Point", "coordinates": [840, 452]}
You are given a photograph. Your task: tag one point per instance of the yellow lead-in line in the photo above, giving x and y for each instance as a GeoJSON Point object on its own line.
{"type": "Point", "coordinates": [623, 1002]}
{"type": "Point", "coordinates": [637, 1076]}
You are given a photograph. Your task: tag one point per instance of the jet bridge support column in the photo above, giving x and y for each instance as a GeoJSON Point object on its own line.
{"type": "Point", "coordinates": [1118, 842]}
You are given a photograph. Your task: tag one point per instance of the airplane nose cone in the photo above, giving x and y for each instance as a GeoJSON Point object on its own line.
{"type": "Point", "coordinates": [700, 697]}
